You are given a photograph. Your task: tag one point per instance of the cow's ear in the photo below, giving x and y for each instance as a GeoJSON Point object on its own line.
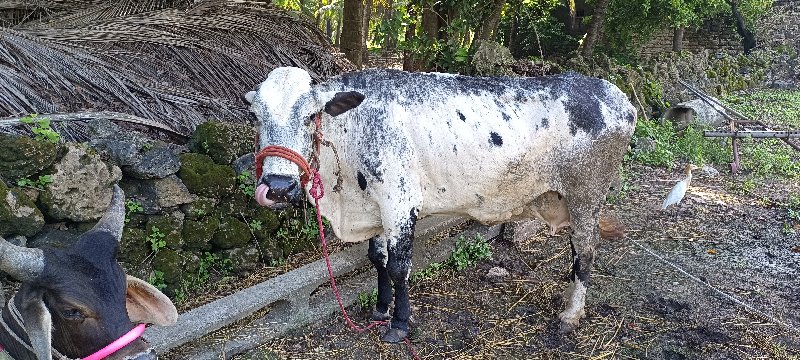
{"type": "Point", "coordinates": [148, 305]}
{"type": "Point", "coordinates": [343, 101]}
{"type": "Point", "coordinates": [250, 96]}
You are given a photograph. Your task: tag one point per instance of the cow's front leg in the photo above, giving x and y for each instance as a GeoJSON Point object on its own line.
{"type": "Point", "coordinates": [583, 241]}
{"type": "Point", "coordinates": [400, 248]}
{"type": "Point", "coordinates": [379, 256]}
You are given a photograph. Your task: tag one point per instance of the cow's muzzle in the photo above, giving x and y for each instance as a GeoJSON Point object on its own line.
{"type": "Point", "coordinates": [277, 191]}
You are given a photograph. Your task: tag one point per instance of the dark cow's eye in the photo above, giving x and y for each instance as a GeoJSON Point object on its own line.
{"type": "Point", "coordinates": [73, 314]}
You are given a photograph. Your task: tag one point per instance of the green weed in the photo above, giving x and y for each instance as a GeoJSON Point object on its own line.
{"type": "Point", "coordinates": [156, 239]}
{"type": "Point", "coordinates": [468, 252]}
{"type": "Point", "coordinates": [40, 126]}
{"type": "Point", "coordinates": [246, 183]}
{"type": "Point", "coordinates": [132, 207]}
{"type": "Point", "coordinates": [366, 300]}
{"type": "Point", "coordinates": [38, 184]}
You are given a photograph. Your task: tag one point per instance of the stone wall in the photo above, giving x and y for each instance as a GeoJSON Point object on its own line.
{"type": "Point", "coordinates": [718, 35]}
{"type": "Point", "coordinates": [190, 209]}
{"type": "Point", "coordinates": [779, 27]}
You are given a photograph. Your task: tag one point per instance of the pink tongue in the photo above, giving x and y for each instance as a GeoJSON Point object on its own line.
{"type": "Point", "coordinates": [261, 196]}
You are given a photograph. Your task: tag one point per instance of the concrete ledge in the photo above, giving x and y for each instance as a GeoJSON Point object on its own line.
{"type": "Point", "coordinates": [293, 298]}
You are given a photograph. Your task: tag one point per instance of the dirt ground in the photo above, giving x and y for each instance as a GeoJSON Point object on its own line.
{"type": "Point", "coordinates": [638, 307]}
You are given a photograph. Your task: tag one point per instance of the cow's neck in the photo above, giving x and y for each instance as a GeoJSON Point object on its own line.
{"type": "Point", "coordinates": [11, 335]}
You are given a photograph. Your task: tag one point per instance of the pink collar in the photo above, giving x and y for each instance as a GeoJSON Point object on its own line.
{"type": "Point", "coordinates": [120, 343]}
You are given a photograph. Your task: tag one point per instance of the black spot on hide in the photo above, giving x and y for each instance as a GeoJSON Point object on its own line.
{"type": "Point", "coordinates": [495, 139]}
{"type": "Point", "coordinates": [455, 150]}
{"type": "Point", "coordinates": [506, 118]}
{"type": "Point", "coordinates": [362, 181]}
{"type": "Point", "coordinates": [461, 116]}
{"type": "Point", "coordinates": [545, 123]}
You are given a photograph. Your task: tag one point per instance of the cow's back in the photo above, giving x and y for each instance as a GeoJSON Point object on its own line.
{"type": "Point", "coordinates": [486, 147]}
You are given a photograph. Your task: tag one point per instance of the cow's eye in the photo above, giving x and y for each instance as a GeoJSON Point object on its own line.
{"type": "Point", "coordinates": [73, 314]}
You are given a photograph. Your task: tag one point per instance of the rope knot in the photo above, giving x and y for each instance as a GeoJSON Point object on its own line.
{"type": "Point", "coordinates": [317, 190]}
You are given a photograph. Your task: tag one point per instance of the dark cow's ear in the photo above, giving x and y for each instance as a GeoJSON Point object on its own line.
{"type": "Point", "coordinates": [343, 101]}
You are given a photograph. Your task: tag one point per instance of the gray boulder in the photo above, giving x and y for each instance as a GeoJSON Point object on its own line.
{"type": "Point", "coordinates": [81, 187]}
{"type": "Point", "coordinates": [157, 194]}
{"type": "Point", "coordinates": [694, 112]}
{"type": "Point", "coordinates": [21, 156]}
{"type": "Point", "coordinates": [18, 213]}
{"type": "Point", "coordinates": [139, 156]}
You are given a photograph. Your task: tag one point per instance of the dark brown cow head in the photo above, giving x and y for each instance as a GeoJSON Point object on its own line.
{"type": "Point", "coordinates": [78, 300]}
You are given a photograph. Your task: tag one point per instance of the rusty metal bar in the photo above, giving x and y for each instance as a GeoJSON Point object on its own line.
{"type": "Point", "coordinates": [753, 134]}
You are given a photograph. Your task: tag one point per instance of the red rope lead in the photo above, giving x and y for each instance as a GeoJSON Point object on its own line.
{"type": "Point", "coordinates": [317, 191]}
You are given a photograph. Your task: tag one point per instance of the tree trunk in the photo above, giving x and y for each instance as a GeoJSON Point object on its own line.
{"type": "Point", "coordinates": [570, 4]}
{"type": "Point", "coordinates": [430, 23]}
{"type": "Point", "coordinates": [490, 22]}
{"type": "Point", "coordinates": [352, 32]}
{"type": "Point", "coordinates": [595, 27]}
{"type": "Point", "coordinates": [411, 30]}
{"type": "Point", "coordinates": [389, 41]}
{"type": "Point", "coordinates": [748, 38]}
{"type": "Point", "coordinates": [365, 31]}
{"type": "Point", "coordinates": [339, 31]}
{"type": "Point", "coordinates": [677, 39]}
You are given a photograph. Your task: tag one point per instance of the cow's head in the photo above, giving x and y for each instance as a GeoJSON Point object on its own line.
{"type": "Point", "coordinates": [78, 300]}
{"type": "Point", "coordinates": [285, 105]}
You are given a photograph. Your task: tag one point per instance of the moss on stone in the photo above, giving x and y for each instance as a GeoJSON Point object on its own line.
{"type": "Point", "coordinates": [237, 205]}
{"type": "Point", "coordinates": [133, 248]}
{"type": "Point", "coordinates": [203, 177]}
{"type": "Point", "coordinates": [197, 234]}
{"type": "Point", "coordinates": [18, 214]}
{"type": "Point", "coordinates": [170, 225]}
{"type": "Point", "coordinates": [171, 264]}
{"type": "Point", "coordinates": [21, 156]}
{"type": "Point", "coordinates": [243, 259]}
{"type": "Point", "coordinates": [223, 142]}
{"type": "Point", "coordinates": [199, 208]}
{"type": "Point", "coordinates": [232, 233]}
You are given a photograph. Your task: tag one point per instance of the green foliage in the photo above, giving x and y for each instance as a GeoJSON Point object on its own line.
{"type": "Point", "coordinates": [156, 239]}
{"type": "Point", "coordinates": [255, 225]}
{"type": "Point", "coordinates": [246, 183]}
{"type": "Point", "coordinates": [366, 300]}
{"type": "Point", "coordinates": [132, 207]}
{"type": "Point", "coordinates": [468, 252]}
{"type": "Point", "coordinates": [531, 25]}
{"type": "Point", "coordinates": [40, 126]}
{"type": "Point", "coordinates": [670, 146]}
{"type": "Point", "coordinates": [157, 279]}
{"type": "Point", "coordinates": [774, 107]}
{"type": "Point", "coordinates": [38, 184]}
{"type": "Point", "coordinates": [769, 158]}
{"type": "Point", "coordinates": [428, 273]}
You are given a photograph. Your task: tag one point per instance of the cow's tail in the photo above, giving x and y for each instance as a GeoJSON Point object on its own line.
{"type": "Point", "coordinates": [610, 226]}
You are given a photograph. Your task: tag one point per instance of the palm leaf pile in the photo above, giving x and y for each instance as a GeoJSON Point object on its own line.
{"type": "Point", "coordinates": [168, 64]}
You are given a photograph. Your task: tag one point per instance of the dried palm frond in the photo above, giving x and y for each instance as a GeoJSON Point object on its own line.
{"type": "Point", "coordinates": [177, 67]}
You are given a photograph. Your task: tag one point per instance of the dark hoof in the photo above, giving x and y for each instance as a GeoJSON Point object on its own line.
{"type": "Point", "coordinates": [394, 336]}
{"type": "Point", "coordinates": [565, 328]}
{"type": "Point", "coordinates": [379, 316]}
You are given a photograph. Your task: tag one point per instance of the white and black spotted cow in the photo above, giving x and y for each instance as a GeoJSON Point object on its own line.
{"type": "Point", "coordinates": [416, 144]}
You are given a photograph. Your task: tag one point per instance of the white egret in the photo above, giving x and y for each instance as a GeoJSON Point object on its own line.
{"type": "Point", "coordinates": [679, 190]}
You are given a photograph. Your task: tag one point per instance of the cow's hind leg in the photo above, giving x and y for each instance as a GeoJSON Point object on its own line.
{"type": "Point", "coordinates": [583, 241]}
{"type": "Point", "coordinates": [379, 256]}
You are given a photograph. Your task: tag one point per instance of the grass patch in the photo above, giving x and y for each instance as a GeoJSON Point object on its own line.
{"type": "Point", "coordinates": [669, 147]}
{"type": "Point", "coordinates": [468, 252]}
{"type": "Point", "coordinates": [780, 108]}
